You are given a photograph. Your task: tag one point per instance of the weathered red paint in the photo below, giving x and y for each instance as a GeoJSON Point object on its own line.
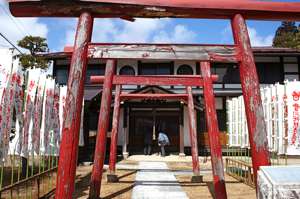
{"type": "Point", "coordinates": [217, 9]}
{"type": "Point", "coordinates": [146, 51]}
{"type": "Point", "coordinates": [251, 92]}
{"type": "Point", "coordinates": [72, 114]}
{"type": "Point", "coordinates": [154, 80]}
{"type": "Point", "coordinates": [193, 132]}
{"type": "Point", "coordinates": [103, 124]}
{"type": "Point", "coordinates": [213, 132]}
{"type": "Point", "coordinates": [114, 131]}
{"type": "Point", "coordinates": [129, 96]}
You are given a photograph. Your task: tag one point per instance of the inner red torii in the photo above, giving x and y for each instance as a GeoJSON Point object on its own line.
{"type": "Point", "coordinates": [204, 81]}
{"type": "Point", "coordinates": [86, 10]}
{"type": "Point", "coordinates": [170, 80]}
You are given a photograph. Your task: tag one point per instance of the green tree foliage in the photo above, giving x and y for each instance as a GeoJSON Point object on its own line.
{"type": "Point", "coordinates": [34, 45]}
{"type": "Point", "coordinates": [287, 36]}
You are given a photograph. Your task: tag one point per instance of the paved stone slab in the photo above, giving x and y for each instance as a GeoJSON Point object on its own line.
{"type": "Point", "coordinates": [124, 166]}
{"type": "Point", "coordinates": [154, 180]}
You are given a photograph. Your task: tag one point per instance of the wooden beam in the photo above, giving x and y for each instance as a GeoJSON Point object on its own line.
{"type": "Point", "coordinates": [215, 53]}
{"type": "Point", "coordinates": [129, 96]}
{"type": "Point", "coordinates": [155, 80]}
{"type": "Point", "coordinates": [130, 9]}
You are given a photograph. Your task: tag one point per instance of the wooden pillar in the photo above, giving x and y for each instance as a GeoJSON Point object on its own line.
{"type": "Point", "coordinates": [124, 150]}
{"type": "Point", "coordinates": [72, 114]}
{"type": "Point", "coordinates": [103, 124]}
{"type": "Point", "coordinates": [125, 136]}
{"type": "Point", "coordinates": [181, 132]}
{"type": "Point", "coordinates": [193, 132]}
{"type": "Point", "coordinates": [114, 136]}
{"type": "Point", "coordinates": [213, 132]}
{"type": "Point", "coordinates": [251, 92]}
{"type": "Point", "coordinates": [154, 130]}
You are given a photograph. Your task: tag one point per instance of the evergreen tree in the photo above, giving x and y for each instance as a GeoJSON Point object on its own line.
{"type": "Point", "coordinates": [286, 35]}
{"type": "Point", "coordinates": [34, 45]}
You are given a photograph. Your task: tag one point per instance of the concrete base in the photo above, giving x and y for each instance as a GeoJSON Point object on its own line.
{"type": "Point", "coordinates": [125, 155]}
{"type": "Point", "coordinates": [112, 178]}
{"type": "Point", "coordinates": [181, 155]}
{"type": "Point", "coordinates": [195, 179]}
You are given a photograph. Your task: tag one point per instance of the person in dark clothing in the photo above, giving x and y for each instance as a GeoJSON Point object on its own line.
{"type": "Point", "coordinates": [163, 140]}
{"type": "Point", "coordinates": [147, 140]}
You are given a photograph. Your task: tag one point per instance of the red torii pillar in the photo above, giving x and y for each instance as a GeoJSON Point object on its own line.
{"type": "Point", "coordinates": [251, 92]}
{"type": "Point", "coordinates": [112, 177]}
{"type": "Point", "coordinates": [72, 114]}
{"type": "Point", "coordinates": [213, 132]}
{"type": "Point", "coordinates": [193, 135]}
{"type": "Point", "coordinates": [103, 124]}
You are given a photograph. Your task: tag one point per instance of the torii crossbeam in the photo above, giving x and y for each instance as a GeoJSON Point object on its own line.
{"type": "Point", "coordinates": [129, 9]}
{"type": "Point", "coordinates": [86, 10]}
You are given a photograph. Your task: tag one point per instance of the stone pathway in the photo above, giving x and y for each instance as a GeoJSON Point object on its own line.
{"type": "Point", "coordinates": [154, 180]}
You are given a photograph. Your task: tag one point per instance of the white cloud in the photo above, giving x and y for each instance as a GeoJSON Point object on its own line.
{"type": "Point", "coordinates": [258, 40]}
{"type": "Point", "coordinates": [180, 34]}
{"type": "Point", "coordinates": [142, 30]}
{"type": "Point", "coordinates": [255, 38]}
{"type": "Point", "coordinates": [16, 28]}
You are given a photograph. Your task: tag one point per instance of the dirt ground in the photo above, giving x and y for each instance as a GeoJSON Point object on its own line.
{"type": "Point", "coordinates": [235, 189]}
{"type": "Point", "coordinates": [187, 166]}
{"type": "Point", "coordinates": [121, 190]}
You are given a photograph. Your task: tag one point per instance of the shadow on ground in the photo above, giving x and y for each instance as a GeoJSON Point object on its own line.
{"type": "Point", "coordinates": [108, 190]}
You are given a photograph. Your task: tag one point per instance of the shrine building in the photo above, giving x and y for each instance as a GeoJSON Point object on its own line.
{"type": "Point", "coordinates": [273, 65]}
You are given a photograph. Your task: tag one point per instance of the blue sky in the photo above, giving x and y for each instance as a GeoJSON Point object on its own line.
{"type": "Point", "coordinates": [60, 31]}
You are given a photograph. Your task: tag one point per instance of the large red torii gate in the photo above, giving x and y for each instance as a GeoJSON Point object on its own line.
{"type": "Point", "coordinates": [86, 10]}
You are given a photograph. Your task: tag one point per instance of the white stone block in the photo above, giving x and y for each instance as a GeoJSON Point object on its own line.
{"type": "Point", "coordinates": [280, 182]}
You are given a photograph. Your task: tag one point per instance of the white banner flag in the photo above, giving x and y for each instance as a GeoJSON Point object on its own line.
{"type": "Point", "coordinates": [47, 115]}
{"type": "Point", "coordinates": [281, 118]}
{"type": "Point", "coordinates": [31, 87]}
{"type": "Point", "coordinates": [55, 138]}
{"type": "Point", "coordinates": [16, 142]}
{"type": "Point", "coordinates": [38, 107]}
{"type": "Point", "coordinates": [62, 101]}
{"type": "Point", "coordinates": [293, 102]}
{"type": "Point", "coordinates": [6, 63]}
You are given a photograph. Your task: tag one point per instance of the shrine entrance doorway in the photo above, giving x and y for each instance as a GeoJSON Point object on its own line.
{"type": "Point", "coordinates": [153, 120]}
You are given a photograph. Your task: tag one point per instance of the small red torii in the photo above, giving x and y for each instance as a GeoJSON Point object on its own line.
{"type": "Point", "coordinates": [86, 10]}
